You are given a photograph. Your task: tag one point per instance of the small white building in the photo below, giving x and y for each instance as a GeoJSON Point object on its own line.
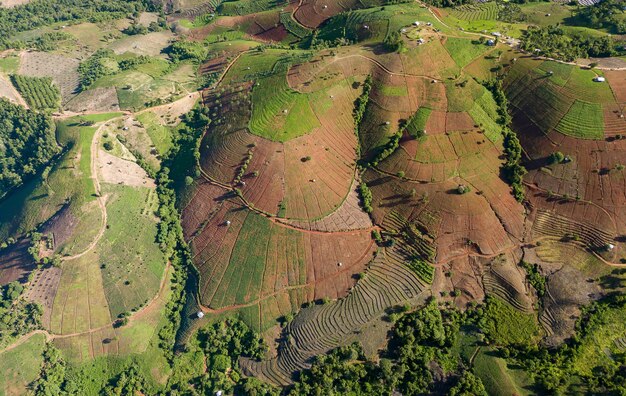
{"type": "Point", "coordinates": [491, 43]}
{"type": "Point", "coordinates": [416, 23]}
{"type": "Point", "coordinates": [200, 314]}
{"type": "Point", "coordinates": [599, 79]}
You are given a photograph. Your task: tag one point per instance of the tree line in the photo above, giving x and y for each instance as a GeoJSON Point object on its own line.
{"type": "Point", "coordinates": [27, 144]}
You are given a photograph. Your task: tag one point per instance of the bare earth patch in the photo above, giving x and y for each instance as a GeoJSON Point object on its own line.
{"type": "Point", "coordinates": [62, 70]}
{"type": "Point", "coordinates": [150, 44]}
{"type": "Point", "coordinates": [115, 170]}
{"type": "Point", "coordinates": [8, 91]}
{"type": "Point", "coordinates": [98, 99]}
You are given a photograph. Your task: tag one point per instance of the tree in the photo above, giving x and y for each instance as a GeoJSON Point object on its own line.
{"type": "Point", "coordinates": [468, 385]}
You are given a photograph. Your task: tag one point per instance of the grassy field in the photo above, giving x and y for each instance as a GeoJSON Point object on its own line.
{"type": "Point", "coordinates": [507, 326]}
{"type": "Point", "coordinates": [464, 51]}
{"type": "Point", "coordinates": [581, 85]}
{"type": "Point", "coordinates": [417, 123]}
{"type": "Point", "coordinates": [583, 120]}
{"type": "Point", "coordinates": [280, 113]}
{"type": "Point", "coordinates": [21, 366]}
{"type": "Point", "coordinates": [9, 64]}
{"type": "Point", "coordinates": [160, 135]}
{"type": "Point", "coordinates": [496, 376]}
{"type": "Point", "coordinates": [131, 260]}
{"type": "Point", "coordinates": [150, 84]}
{"type": "Point", "coordinates": [484, 112]}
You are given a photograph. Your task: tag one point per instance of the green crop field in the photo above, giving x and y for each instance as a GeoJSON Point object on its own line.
{"type": "Point", "coordinates": [160, 135]}
{"type": "Point", "coordinates": [39, 92]}
{"type": "Point", "coordinates": [508, 326]}
{"type": "Point", "coordinates": [133, 264]}
{"type": "Point", "coordinates": [464, 51]}
{"type": "Point", "coordinates": [484, 112]}
{"type": "Point", "coordinates": [278, 112]}
{"type": "Point", "coordinates": [475, 12]}
{"type": "Point", "coordinates": [581, 84]}
{"type": "Point", "coordinates": [417, 123]}
{"type": "Point", "coordinates": [20, 366]}
{"type": "Point", "coordinates": [583, 120]}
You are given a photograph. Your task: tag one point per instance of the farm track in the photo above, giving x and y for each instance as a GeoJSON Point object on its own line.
{"type": "Point", "coordinates": [149, 307]}
{"type": "Point", "coordinates": [101, 200]}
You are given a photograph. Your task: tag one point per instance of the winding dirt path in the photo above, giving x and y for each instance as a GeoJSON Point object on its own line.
{"type": "Point", "coordinates": [101, 200]}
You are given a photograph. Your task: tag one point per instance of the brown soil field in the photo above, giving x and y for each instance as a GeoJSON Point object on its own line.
{"type": "Point", "coordinates": [98, 100]}
{"type": "Point", "coordinates": [13, 3]}
{"type": "Point", "coordinates": [350, 216]}
{"type": "Point", "coordinates": [293, 260]}
{"type": "Point", "coordinates": [150, 44]}
{"type": "Point", "coordinates": [617, 81]}
{"type": "Point", "coordinates": [43, 289]}
{"type": "Point", "coordinates": [589, 186]}
{"type": "Point", "coordinates": [614, 121]}
{"type": "Point", "coordinates": [311, 13]}
{"type": "Point", "coordinates": [61, 69]}
{"type": "Point", "coordinates": [15, 262]}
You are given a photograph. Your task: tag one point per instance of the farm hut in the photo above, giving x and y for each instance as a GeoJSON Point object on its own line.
{"type": "Point", "coordinates": [416, 23]}
{"type": "Point", "coordinates": [491, 43]}
{"type": "Point", "coordinates": [420, 41]}
{"type": "Point", "coordinates": [610, 246]}
{"type": "Point", "coordinates": [227, 222]}
{"type": "Point", "coordinates": [200, 314]}
{"type": "Point", "coordinates": [599, 79]}
{"type": "Point", "coordinates": [497, 34]}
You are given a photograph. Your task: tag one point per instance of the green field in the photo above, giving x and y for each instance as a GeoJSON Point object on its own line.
{"type": "Point", "coordinates": [417, 123]}
{"type": "Point", "coordinates": [280, 113]}
{"type": "Point", "coordinates": [133, 263]}
{"type": "Point", "coordinates": [21, 365]}
{"type": "Point", "coordinates": [496, 376]}
{"type": "Point", "coordinates": [9, 64]}
{"type": "Point", "coordinates": [583, 120]}
{"type": "Point", "coordinates": [39, 92]}
{"type": "Point", "coordinates": [160, 135]}
{"type": "Point", "coordinates": [464, 51]}
{"type": "Point", "coordinates": [484, 112]}
{"type": "Point", "coordinates": [150, 84]}
{"type": "Point", "coordinates": [507, 326]}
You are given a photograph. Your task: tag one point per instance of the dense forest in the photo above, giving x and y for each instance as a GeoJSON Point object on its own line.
{"type": "Point", "coordinates": [27, 143]}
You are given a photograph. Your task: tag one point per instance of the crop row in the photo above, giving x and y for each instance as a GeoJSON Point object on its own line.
{"type": "Point", "coordinates": [39, 92]}
{"type": "Point", "coordinates": [476, 12]}
{"type": "Point", "coordinates": [293, 26]}
{"type": "Point", "coordinates": [318, 329]}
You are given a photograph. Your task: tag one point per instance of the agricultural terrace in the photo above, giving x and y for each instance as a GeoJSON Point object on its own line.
{"type": "Point", "coordinates": [302, 162]}
{"type": "Point", "coordinates": [575, 158]}
{"type": "Point", "coordinates": [283, 269]}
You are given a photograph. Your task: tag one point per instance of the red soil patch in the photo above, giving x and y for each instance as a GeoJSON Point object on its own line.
{"type": "Point", "coordinates": [311, 13]}
{"type": "Point", "coordinates": [614, 121]}
{"type": "Point", "coordinates": [617, 81]}
{"type": "Point", "coordinates": [459, 122]}
{"type": "Point", "coordinates": [436, 123]}
{"type": "Point", "coordinates": [588, 189]}
{"type": "Point", "coordinates": [277, 34]}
